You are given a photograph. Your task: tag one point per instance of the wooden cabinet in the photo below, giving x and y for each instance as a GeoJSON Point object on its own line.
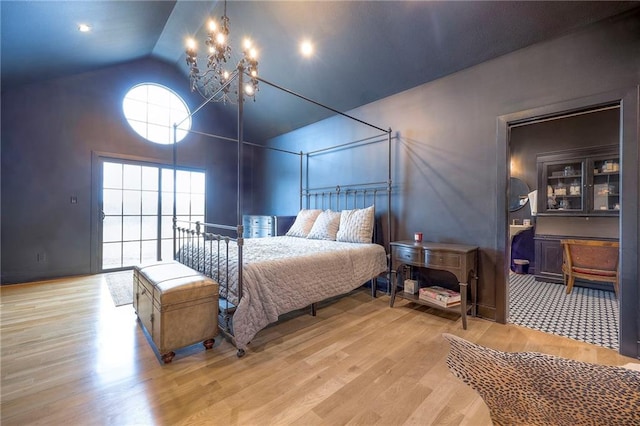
{"type": "Point", "coordinates": [460, 260]}
{"type": "Point", "coordinates": [580, 188]}
{"type": "Point", "coordinates": [579, 182]}
{"type": "Point", "coordinates": [260, 226]}
{"type": "Point", "coordinates": [548, 255]}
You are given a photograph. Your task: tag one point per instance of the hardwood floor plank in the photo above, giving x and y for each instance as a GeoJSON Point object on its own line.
{"type": "Point", "coordinates": [69, 356]}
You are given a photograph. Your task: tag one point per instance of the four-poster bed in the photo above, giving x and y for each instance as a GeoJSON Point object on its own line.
{"type": "Point", "coordinates": [281, 274]}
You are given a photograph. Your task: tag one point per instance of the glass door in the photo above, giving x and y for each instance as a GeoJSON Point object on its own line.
{"type": "Point", "coordinates": [130, 214]}
{"type": "Point", "coordinates": [137, 211]}
{"type": "Point", "coordinates": [564, 182]}
{"type": "Point", "coordinates": [606, 185]}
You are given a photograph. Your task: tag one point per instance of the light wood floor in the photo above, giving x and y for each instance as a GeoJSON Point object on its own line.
{"type": "Point", "coordinates": [69, 356]}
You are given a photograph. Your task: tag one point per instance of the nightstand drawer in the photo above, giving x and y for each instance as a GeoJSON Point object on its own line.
{"type": "Point", "coordinates": [260, 221]}
{"type": "Point", "coordinates": [408, 255]}
{"type": "Point", "coordinates": [260, 233]}
{"type": "Point", "coordinates": [441, 260]}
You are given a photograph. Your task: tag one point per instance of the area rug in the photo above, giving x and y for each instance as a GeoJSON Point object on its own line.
{"type": "Point", "coordinates": [529, 388]}
{"type": "Point", "coordinates": [121, 287]}
{"type": "Point", "coordinates": [587, 315]}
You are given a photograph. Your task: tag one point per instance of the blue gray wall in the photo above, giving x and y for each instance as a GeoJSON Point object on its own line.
{"type": "Point", "coordinates": [49, 132]}
{"type": "Point", "coordinates": [449, 166]}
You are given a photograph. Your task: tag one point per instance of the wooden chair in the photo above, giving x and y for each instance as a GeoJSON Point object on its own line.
{"type": "Point", "coordinates": [591, 260]}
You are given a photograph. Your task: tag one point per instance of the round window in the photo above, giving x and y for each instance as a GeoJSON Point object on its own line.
{"type": "Point", "coordinates": [152, 110]}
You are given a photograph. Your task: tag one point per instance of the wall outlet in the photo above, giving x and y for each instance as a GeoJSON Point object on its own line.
{"type": "Point", "coordinates": [41, 257]}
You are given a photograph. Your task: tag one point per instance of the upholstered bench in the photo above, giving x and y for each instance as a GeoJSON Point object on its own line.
{"type": "Point", "coordinates": [176, 305]}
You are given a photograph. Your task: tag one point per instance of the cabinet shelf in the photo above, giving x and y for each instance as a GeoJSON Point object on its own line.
{"type": "Point", "coordinates": [416, 299]}
{"type": "Point", "coordinates": [565, 177]}
{"type": "Point", "coordinates": [595, 171]}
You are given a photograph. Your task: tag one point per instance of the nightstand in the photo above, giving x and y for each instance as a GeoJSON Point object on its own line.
{"type": "Point", "coordinates": [259, 226]}
{"type": "Point", "coordinates": [458, 259]}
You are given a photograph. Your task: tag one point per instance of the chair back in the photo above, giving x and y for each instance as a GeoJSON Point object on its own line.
{"type": "Point", "coordinates": [591, 260]}
{"type": "Point", "coordinates": [592, 254]}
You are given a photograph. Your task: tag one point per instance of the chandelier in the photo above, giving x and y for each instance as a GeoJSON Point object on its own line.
{"type": "Point", "coordinates": [217, 81]}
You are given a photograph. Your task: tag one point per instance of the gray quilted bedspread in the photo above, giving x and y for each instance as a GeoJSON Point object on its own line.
{"type": "Point", "coordinates": [282, 274]}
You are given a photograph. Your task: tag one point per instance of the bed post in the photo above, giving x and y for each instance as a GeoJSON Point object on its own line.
{"type": "Point", "coordinates": [175, 217]}
{"type": "Point", "coordinates": [301, 187]}
{"type": "Point", "coordinates": [388, 242]}
{"type": "Point", "coordinates": [306, 179]}
{"type": "Point", "coordinates": [240, 231]}
{"type": "Point", "coordinates": [240, 180]}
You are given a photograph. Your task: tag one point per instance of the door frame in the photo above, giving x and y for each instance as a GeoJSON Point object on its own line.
{"type": "Point", "coordinates": [629, 297]}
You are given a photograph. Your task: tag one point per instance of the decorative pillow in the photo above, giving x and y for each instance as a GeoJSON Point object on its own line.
{"type": "Point", "coordinates": [326, 226]}
{"type": "Point", "coordinates": [356, 226]}
{"type": "Point", "coordinates": [304, 222]}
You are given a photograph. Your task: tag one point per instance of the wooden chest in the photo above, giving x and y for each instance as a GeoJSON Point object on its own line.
{"type": "Point", "coordinates": [176, 305]}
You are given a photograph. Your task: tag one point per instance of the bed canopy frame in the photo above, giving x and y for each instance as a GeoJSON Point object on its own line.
{"type": "Point", "coordinates": [319, 197]}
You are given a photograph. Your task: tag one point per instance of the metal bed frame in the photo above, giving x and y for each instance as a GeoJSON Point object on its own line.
{"type": "Point", "coordinates": [197, 235]}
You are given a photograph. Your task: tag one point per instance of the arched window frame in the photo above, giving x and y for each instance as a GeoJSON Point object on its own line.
{"type": "Point", "coordinates": [152, 109]}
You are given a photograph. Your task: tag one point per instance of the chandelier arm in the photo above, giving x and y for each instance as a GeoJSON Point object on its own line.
{"type": "Point", "coordinates": [246, 72]}
{"type": "Point", "coordinates": [201, 93]}
{"type": "Point", "coordinates": [208, 99]}
{"type": "Point", "coordinates": [206, 73]}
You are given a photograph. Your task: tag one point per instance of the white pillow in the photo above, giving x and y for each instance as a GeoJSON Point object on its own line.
{"type": "Point", "coordinates": [304, 222]}
{"type": "Point", "coordinates": [356, 226]}
{"type": "Point", "coordinates": [326, 226]}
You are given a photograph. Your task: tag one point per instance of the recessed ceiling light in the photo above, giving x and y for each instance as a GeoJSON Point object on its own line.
{"type": "Point", "coordinates": [84, 28]}
{"type": "Point", "coordinates": [306, 48]}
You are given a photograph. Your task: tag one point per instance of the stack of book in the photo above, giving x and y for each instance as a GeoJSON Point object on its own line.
{"type": "Point", "coordinates": [440, 296]}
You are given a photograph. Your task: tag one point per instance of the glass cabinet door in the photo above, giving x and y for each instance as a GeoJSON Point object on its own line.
{"type": "Point", "coordinates": [564, 186]}
{"type": "Point", "coordinates": [583, 182]}
{"type": "Point", "coordinates": [605, 191]}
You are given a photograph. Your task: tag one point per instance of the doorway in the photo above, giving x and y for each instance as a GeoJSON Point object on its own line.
{"type": "Point", "coordinates": [537, 297]}
{"type": "Point", "coordinates": [136, 211]}
{"type": "Point", "coordinates": [629, 298]}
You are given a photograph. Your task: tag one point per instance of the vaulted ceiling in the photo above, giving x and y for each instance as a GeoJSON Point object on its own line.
{"type": "Point", "coordinates": [364, 50]}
